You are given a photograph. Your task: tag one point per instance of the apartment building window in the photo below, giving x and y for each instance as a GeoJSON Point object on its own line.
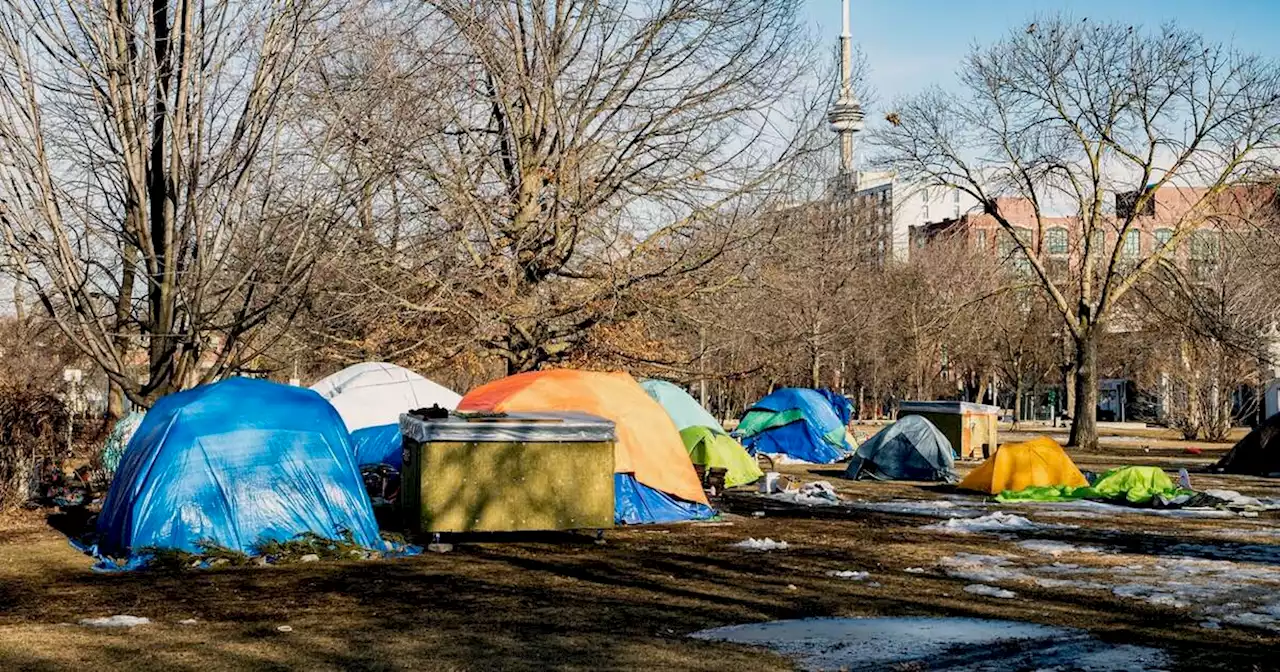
{"type": "Point", "coordinates": [926, 213]}
{"type": "Point", "coordinates": [1163, 236]}
{"type": "Point", "coordinates": [1099, 242]}
{"type": "Point", "coordinates": [1205, 248]}
{"type": "Point", "coordinates": [1020, 261]}
{"type": "Point", "coordinates": [1055, 242]}
{"type": "Point", "coordinates": [924, 195]}
{"type": "Point", "coordinates": [980, 239]}
{"type": "Point", "coordinates": [1132, 244]}
{"type": "Point", "coordinates": [1009, 251]}
{"type": "Point", "coordinates": [955, 197]}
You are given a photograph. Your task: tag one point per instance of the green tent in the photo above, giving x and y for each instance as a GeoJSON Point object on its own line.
{"type": "Point", "coordinates": [1134, 485]}
{"type": "Point", "coordinates": [704, 437]}
{"type": "Point", "coordinates": [717, 449]}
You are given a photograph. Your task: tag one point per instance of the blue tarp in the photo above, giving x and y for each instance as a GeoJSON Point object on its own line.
{"type": "Point", "coordinates": [635, 503]}
{"type": "Point", "coordinates": [378, 445]}
{"type": "Point", "coordinates": [817, 436]}
{"type": "Point", "coordinates": [840, 404]}
{"type": "Point", "coordinates": [234, 464]}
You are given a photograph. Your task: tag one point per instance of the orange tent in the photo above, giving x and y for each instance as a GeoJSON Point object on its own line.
{"type": "Point", "coordinates": [1016, 466]}
{"type": "Point", "coordinates": [648, 444]}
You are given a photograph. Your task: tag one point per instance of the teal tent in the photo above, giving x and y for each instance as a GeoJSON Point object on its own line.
{"type": "Point", "coordinates": [684, 410]}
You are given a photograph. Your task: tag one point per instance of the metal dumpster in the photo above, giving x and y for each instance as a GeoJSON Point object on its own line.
{"type": "Point", "coordinates": [507, 472]}
{"type": "Point", "coordinates": [971, 428]}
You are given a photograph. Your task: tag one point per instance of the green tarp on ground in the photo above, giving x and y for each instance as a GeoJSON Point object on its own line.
{"type": "Point", "coordinates": [1134, 485]}
{"type": "Point", "coordinates": [719, 450]}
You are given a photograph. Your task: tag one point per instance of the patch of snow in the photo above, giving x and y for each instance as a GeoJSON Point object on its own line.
{"type": "Point", "coordinates": [930, 509]}
{"type": "Point", "coordinates": [1251, 619]}
{"type": "Point", "coordinates": [998, 521]}
{"type": "Point", "coordinates": [952, 644]}
{"type": "Point", "coordinates": [914, 570]}
{"type": "Point", "coordinates": [117, 621]}
{"type": "Point", "coordinates": [982, 568]}
{"type": "Point", "coordinates": [1055, 548]}
{"type": "Point", "coordinates": [849, 574]}
{"type": "Point", "coordinates": [188, 621]}
{"type": "Point", "coordinates": [766, 544]}
{"type": "Point", "coordinates": [1070, 583]}
{"type": "Point", "coordinates": [989, 591]}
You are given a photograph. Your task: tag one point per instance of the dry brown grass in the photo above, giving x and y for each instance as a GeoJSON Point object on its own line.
{"type": "Point", "coordinates": [562, 602]}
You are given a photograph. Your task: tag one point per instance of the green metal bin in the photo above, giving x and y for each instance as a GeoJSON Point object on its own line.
{"type": "Point", "coordinates": [507, 473]}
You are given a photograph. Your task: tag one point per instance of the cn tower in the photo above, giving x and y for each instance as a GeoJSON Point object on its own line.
{"type": "Point", "coordinates": [845, 116]}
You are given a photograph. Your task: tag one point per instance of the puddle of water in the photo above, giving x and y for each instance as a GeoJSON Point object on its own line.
{"type": "Point", "coordinates": [950, 644]}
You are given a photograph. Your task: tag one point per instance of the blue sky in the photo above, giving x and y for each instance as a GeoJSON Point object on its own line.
{"type": "Point", "coordinates": [913, 43]}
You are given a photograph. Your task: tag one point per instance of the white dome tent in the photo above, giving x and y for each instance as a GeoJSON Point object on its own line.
{"type": "Point", "coordinates": [370, 398]}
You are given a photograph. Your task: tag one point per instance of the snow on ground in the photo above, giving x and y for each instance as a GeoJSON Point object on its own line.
{"type": "Point", "coordinates": [1080, 508]}
{"type": "Point", "coordinates": [766, 544]}
{"type": "Point", "coordinates": [1235, 584]}
{"type": "Point", "coordinates": [850, 575]}
{"type": "Point", "coordinates": [1055, 548]}
{"type": "Point", "coordinates": [998, 521]}
{"type": "Point", "coordinates": [931, 509]}
{"type": "Point", "coordinates": [946, 644]}
{"type": "Point", "coordinates": [989, 591]}
{"type": "Point", "coordinates": [117, 621]}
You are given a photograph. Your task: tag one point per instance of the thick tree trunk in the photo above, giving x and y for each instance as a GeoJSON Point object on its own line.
{"type": "Point", "coordinates": [1084, 419]}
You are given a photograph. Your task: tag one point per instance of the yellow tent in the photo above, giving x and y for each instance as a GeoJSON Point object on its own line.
{"type": "Point", "coordinates": [1015, 466]}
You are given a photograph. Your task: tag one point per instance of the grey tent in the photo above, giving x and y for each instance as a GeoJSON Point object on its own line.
{"type": "Point", "coordinates": [911, 449]}
{"type": "Point", "coordinates": [1257, 454]}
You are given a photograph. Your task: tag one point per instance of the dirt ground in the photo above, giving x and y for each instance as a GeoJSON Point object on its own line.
{"type": "Point", "coordinates": [561, 601]}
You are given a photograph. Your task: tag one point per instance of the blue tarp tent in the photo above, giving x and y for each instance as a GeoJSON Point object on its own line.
{"type": "Point", "coordinates": [798, 423]}
{"type": "Point", "coordinates": [635, 503]}
{"type": "Point", "coordinates": [234, 464]}
{"type": "Point", "coordinates": [911, 449]}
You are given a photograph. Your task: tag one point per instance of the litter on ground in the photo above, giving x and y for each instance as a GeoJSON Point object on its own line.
{"type": "Point", "coordinates": [817, 493]}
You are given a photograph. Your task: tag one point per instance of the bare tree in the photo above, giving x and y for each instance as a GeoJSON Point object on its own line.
{"type": "Point", "coordinates": [594, 149]}
{"type": "Point", "coordinates": [149, 198]}
{"type": "Point", "coordinates": [1069, 114]}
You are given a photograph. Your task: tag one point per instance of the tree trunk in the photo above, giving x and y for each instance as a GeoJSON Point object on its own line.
{"type": "Point", "coordinates": [1084, 419]}
{"type": "Point", "coordinates": [1017, 402]}
{"type": "Point", "coordinates": [702, 366]}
